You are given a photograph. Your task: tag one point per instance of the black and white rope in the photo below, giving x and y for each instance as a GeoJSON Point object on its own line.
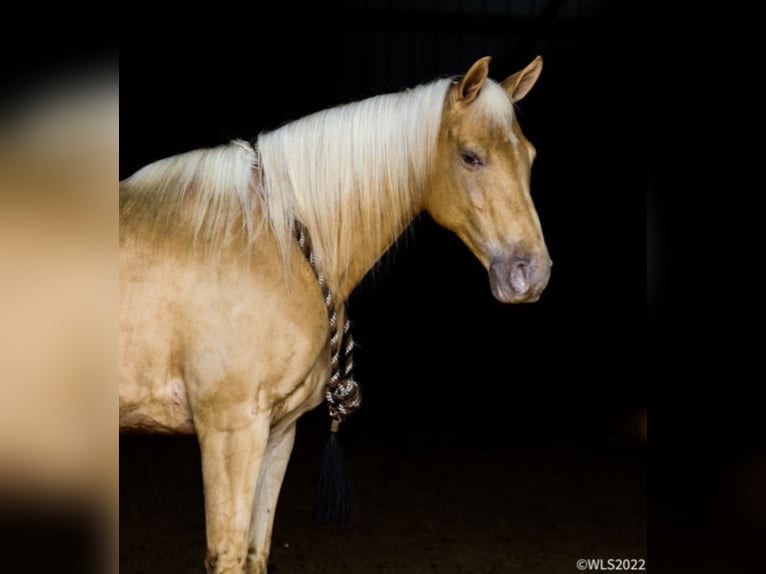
{"type": "Point", "coordinates": [343, 395]}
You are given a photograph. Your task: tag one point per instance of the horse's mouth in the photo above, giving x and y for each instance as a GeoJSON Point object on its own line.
{"type": "Point", "coordinates": [504, 296]}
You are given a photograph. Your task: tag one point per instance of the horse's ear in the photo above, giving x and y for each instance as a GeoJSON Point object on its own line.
{"type": "Point", "coordinates": [470, 84]}
{"type": "Point", "coordinates": [518, 85]}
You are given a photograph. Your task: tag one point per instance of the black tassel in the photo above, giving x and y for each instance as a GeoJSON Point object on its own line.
{"type": "Point", "coordinates": [333, 502]}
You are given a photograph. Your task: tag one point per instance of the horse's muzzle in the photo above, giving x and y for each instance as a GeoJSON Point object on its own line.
{"type": "Point", "coordinates": [519, 279]}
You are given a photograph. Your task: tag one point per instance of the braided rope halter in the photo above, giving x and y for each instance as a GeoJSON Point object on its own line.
{"type": "Point", "coordinates": [343, 395]}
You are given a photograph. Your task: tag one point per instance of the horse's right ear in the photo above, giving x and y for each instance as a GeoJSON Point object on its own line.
{"type": "Point", "coordinates": [470, 84]}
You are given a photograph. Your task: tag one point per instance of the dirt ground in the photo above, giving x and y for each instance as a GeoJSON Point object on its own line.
{"type": "Point", "coordinates": [427, 501]}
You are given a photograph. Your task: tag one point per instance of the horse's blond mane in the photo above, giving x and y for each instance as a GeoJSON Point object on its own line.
{"type": "Point", "coordinates": [349, 174]}
{"type": "Point", "coordinates": [352, 173]}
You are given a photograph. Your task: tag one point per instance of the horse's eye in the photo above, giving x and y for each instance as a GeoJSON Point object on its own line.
{"type": "Point", "coordinates": [471, 159]}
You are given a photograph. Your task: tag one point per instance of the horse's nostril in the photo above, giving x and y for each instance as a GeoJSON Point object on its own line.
{"type": "Point", "coordinates": [519, 276]}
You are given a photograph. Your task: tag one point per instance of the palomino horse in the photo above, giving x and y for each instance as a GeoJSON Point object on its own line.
{"type": "Point", "coordinates": [224, 327]}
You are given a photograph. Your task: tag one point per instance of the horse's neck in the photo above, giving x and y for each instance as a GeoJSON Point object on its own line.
{"type": "Point", "coordinates": [364, 258]}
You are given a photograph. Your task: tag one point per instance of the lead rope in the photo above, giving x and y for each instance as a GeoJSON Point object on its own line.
{"type": "Point", "coordinates": [334, 500]}
{"type": "Point", "coordinates": [343, 395]}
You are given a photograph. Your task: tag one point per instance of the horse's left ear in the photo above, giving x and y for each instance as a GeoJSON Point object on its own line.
{"type": "Point", "coordinates": [518, 85]}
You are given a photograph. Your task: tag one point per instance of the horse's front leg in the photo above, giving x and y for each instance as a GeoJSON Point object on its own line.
{"type": "Point", "coordinates": [232, 443]}
{"type": "Point", "coordinates": [270, 479]}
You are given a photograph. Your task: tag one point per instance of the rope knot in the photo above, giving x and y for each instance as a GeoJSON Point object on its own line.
{"type": "Point", "coordinates": [343, 399]}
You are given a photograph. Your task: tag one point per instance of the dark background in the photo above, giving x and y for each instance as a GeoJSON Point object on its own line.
{"type": "Point", "coordinates": [447, 372]}
{"type": "Point", "coordinates": [425, 319]}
